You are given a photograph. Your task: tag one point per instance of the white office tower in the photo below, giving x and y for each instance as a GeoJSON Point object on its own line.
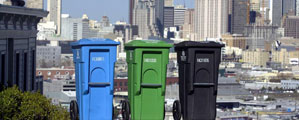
{"type": "Point", "coordinates": [211, 18]}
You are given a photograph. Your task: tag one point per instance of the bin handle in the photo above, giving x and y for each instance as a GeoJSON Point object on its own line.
{"type": "Point", "coordinates": [191, 76]}
{"type": "Point", "coordinates": [137, 83]}
{"type": "Point", "coordinates": [99, 84]}
{"type": "Point", "coordinates": [204, 84]}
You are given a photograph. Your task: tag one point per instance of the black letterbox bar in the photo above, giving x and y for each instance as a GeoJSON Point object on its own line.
{"type": "Point", "coordinates": [98, 84]}
{"type": "Point", "coordinates": [150, 85]}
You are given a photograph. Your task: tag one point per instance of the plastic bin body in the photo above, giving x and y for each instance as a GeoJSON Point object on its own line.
{"type": "Point", "coordinates": [94, 62]}
{"type": "Point", "coordinates": [198, 78]}
{"type": "Point", "coordinates": [147, 65]}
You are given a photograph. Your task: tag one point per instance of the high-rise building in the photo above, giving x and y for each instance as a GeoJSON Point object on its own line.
{"type": "Point", "coordinates": [71, 28]}
{"type": "Point", "coordinates": [210, 18]}
{"type": "Point", "coordinates": [280, 8]}
{"type": "Point", "coordinates": [239, 16]}
{"type": "Point", "coordinates": [148, 15]}
{"type": "Point", "coordinates": [276, 12]}
{"type": "Point", "coordinates": [291, 26]}
{"type": "Point", "coordinates": [289, 7]}
{"type": "Point", "coordinates": [168, 3]}
{"type": "Point", "coordinates": [179, 15]}
{"type": "Point", "coordinates": [105, 21]}
{"type": "Point", "coordinates": [54, 8]}
{"type": "Point", "coordinates": [297, 7]}
{"type": "Point", "coordinates": [35, 4]}
{"type": "Point", "coordinates": [188, 27]}
{"type": "Point", "coordinates": [168, 17]}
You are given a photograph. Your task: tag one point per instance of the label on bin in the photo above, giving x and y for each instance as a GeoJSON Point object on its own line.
{"type": "Point", "coordinates": [131, 54]}
{"type": "Point", "coordinates": [183, 57]}
{"type": "Point", "coordinates": [151, 41]}
{"type": "Point", "coordinates": [97, 58]}
{"type": "Point", "coordinates": [203, 60]}
{"type": "Point", "coordinates": [152, 60]}
{"type": "Point", "coordinates": [78, 54]}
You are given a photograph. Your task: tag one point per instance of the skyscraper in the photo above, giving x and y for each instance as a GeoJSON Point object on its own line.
{"type": "Point", "coordinates": [210, 18]}
{"type": "Point", "coordinates": [168, 3]}
{"type": "Point", "coordinates": [188, 27]}
{"type": "Point", "coordinates": [168, 17]}
{"type": "Point", "coordinates": [239, 16]}
{"type": "Point", "coordinates": [35, 4]}
{"type": "Point", "coordinates": [148, 15]}
{"type": "Point", "coordinates": [276, 12]}
{"type": "Point", "coordinates": [179, 15]}
{"type": "Point", "coordinates": [280, 8]}
{"type": "Point", "coordinates": [288, 7]}
{"type": "Point", "coordinates": [291, 27]}
{"type": "Point", "coordinates": [54, 8]}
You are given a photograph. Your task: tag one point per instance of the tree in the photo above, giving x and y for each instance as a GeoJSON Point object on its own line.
{"type": "Point", "coordinates": [43, 64]}
{"type": "Point", "coordinates": [263, 88]}
{"type": "Point", "coordinates": [17, 105]}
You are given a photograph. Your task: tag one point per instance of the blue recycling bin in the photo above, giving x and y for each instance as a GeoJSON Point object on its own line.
{"type": "Point", "coordinates": [94, 62]}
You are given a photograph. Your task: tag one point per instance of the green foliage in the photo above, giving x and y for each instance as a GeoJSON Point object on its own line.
{"type": "Point", "coordinates": [17, 105]}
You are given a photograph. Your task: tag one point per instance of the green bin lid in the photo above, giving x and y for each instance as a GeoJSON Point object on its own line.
{"type": "Point", "coordinates": [147, 44]}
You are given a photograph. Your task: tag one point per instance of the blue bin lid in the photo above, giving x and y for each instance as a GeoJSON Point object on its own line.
{"type": "Point", "coordinates": [95, 42]}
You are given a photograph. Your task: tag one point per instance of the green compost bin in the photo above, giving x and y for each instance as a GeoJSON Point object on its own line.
{"type": "Point", "coordinates": [147, 65]}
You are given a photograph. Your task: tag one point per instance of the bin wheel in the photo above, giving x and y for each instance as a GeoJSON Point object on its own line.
{"type": "Point", "coordinates": [176, 110]}
{"type": "Point", "coordinates": [112, 111]}
{"type": "Point", "coordinates": [74, 111]}
{"type": "Point", "coordinates": [125, 110]}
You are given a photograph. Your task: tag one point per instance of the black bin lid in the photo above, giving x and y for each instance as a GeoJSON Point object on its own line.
{"type": "Point", "coordinates": [200, 44]}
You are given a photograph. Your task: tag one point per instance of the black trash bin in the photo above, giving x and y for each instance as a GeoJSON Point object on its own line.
{"type": "Point", "coordinates": [198, 78]}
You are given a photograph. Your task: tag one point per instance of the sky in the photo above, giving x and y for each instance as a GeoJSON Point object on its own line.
{"type": "Point", "coordinates": [115, 9]}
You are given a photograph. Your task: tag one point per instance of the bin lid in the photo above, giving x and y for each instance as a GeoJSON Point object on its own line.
{"type": "Point", "coordinates": [95, 42]}
{"type": "Point", "coordinates": [148, 44]}
{"type": "Point", "coordinates": [200, 44]}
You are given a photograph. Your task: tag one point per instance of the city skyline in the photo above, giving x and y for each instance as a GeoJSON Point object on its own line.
{"type": "Point", "coordinates": [75, 11]}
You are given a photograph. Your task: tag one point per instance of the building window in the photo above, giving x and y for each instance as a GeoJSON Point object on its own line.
{"type": "Point", "coordinates": [40, 73]}
{"type": "Point", "coordinates": [57, 73]}
{"type": "Point", "coordinates": [67, 73]}
{"type": "Point", "coordinates": [17, 69]}
{"type": "Point", "coordinates": [49, 73]}
{"type": "Point", "coordinates": [120, 84]}
{"type": "Point", "coordinates": [115, 83]}
{"type": "Point", "coordinates": [126, 83]}
{"type": "Point", "coordinates": [25, 71]}
{"type": "Point", "coordinates": [33, 70]}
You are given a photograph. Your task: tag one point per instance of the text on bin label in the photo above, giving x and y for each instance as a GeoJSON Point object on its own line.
{"type": "Point", "coordinates": [151, 60]}
{"type": "Point", "coordinates": [203, 60]}
{"type": "Point", "coordinates": [97, 59]}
